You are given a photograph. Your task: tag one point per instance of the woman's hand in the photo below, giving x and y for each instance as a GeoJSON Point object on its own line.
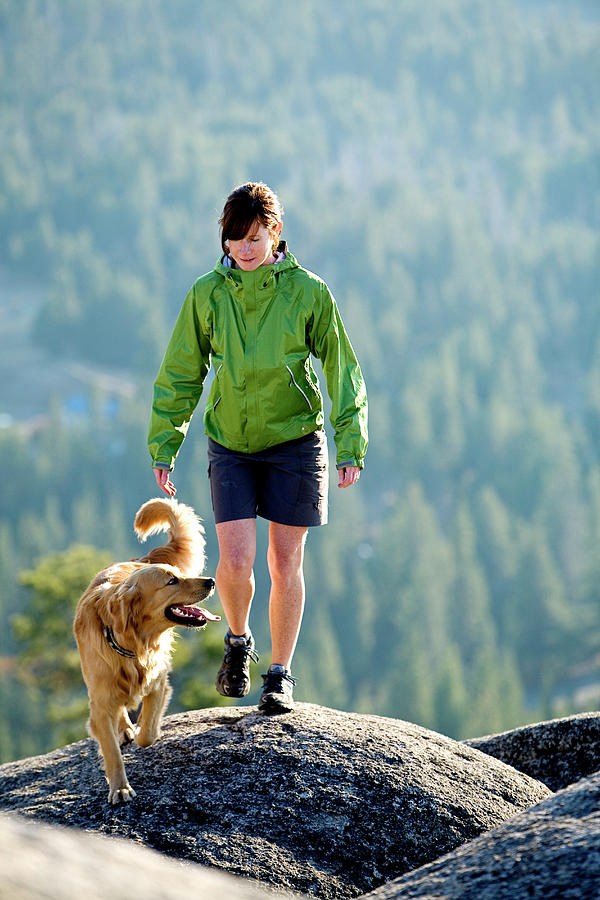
{"type": "Point", "coordinates": [348, 475]}
{"type": "Point", "coordinates": [164, 482]}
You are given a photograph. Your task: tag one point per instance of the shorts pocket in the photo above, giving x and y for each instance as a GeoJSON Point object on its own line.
{"type": "Point", "coordinates": [315, 470]}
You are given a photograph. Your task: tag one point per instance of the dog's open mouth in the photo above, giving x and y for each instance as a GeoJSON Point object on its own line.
{"type": "Point", "coordinates": [190, 616]}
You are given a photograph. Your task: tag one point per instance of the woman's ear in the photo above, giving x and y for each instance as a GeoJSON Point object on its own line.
{"type": "Point", "coordinates": [275, 234]}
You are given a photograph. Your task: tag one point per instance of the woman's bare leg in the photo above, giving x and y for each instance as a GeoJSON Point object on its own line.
{"type": "Point", "coordinates": [286, 603]}
{"type": "Point", "coordinates": [235, 574]}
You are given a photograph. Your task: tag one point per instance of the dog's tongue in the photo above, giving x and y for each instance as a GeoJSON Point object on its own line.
{"type": "Point", "coordinates": [195, 612]}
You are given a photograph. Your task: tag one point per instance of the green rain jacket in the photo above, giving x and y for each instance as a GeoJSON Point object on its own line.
{"type": "Point", "coordinates": [259, 329]}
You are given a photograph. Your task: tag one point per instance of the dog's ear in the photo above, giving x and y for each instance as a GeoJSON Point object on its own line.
{"type": "Point", "coordinates": [117, 604]}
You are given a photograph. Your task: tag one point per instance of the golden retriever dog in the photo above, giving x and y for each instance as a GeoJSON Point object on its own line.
{"type": "Point", "coordinates": [124, 630]}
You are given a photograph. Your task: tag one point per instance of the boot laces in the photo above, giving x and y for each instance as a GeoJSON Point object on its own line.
{"type": "Point", "coordinates": [273, 682]}
{"type": "Point", "coordinates": [236, 658]}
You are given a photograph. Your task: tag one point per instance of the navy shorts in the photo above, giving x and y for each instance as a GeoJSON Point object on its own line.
{"type": "Point", "coordinates": [287, 483]}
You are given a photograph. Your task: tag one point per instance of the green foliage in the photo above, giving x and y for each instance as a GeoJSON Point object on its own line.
{"type": "Point", "coordinates": [439, 168]}
{"type": "Point", "coordinates": [55, 586]}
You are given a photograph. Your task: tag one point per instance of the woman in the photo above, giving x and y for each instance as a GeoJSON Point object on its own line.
{"type": "Point", "coordinates": [257, 318]}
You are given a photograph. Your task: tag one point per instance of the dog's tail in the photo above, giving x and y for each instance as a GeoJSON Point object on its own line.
{"type": "Point", "coordinates": [185, 547]}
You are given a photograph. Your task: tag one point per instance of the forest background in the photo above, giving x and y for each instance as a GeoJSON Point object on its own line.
{"type": "Point", "coordinates": [439, 167]}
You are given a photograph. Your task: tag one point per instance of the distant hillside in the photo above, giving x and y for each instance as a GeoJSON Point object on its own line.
{"type": "Point", "coordinates": [37, 377]}
{"type": "Point", "coordinates": [438, 164]}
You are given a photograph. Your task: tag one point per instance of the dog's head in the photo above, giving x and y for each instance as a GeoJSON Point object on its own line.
{"type": "Point", "coordinates": [156, 597]}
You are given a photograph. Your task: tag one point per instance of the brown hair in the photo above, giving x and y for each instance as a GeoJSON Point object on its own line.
{"type": "Point", "coordinates": [247, 204]}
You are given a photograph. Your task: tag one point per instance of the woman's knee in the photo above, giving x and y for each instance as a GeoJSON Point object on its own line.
{"type": "Point", "coordinates": [237, 549]}
{"type": "Point", "coordinates": [285, 557]}
{"type": "Point", "coordinates": [236, 563]}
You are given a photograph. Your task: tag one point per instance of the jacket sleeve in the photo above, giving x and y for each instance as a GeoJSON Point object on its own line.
{"type": "Point", "coordinates": [178, 385]}
{"type": "Point", "coordinates": [345, 384]}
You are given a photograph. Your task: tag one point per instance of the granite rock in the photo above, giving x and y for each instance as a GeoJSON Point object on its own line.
{"type": "Point", "coordinates": [549, 852]}
{"type": "Point", "coordinates": [318, 801]}
{"type": "Point", "coordinates": [558, 752]}
{"type": "Point", "coordinates": [57, 863]}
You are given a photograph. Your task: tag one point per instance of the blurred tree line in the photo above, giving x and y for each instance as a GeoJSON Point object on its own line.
{"type": "Point", "coordinates": [438, 164]}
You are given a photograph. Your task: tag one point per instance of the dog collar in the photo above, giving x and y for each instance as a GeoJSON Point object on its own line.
{"type": "Point", "coordinates": [108, 634]}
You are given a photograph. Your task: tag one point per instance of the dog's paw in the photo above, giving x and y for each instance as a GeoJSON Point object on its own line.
{"type": "Point", "coordinates": [127, 736]}
{"type": "Point", "coordinates": [122, 794]}
{"type": "Point", "coordinates": [146, 738]}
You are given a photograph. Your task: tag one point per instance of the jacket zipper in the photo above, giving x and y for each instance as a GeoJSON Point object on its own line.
{"type": "Point", "coordinates": [299, 388]}
{"type": "Point", "coordinates": [220, 397]}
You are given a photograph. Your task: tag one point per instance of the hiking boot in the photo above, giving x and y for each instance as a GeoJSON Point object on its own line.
{"type": "Point", "coordinates": [277, 691]}
{"type": "Point", "coordinates": [233, 678]}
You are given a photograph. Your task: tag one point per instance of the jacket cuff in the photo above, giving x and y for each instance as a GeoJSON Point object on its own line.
{"type": "Point", "coordinates": [350, 462]}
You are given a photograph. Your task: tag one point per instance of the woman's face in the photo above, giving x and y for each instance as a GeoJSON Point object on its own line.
{"type": "Point", "coordinates": [255, 249]}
